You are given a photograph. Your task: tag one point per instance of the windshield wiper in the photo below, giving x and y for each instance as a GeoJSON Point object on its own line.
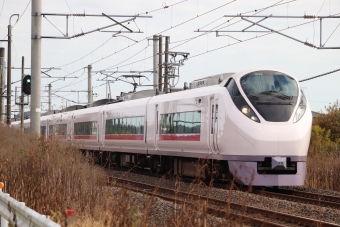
{"type": "Point", "coordinates": [277, 94]}
{"type": "Point", "coordinates": [252, 96]}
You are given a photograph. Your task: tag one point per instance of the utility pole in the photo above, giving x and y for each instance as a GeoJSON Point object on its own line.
{"type": "Point", "coordinates": [89, 85]}
{"type": "Point", "coordinates": [36, 66]}
{"type": "Point", "coordinates": [166, 71]}
{"type": "Point", "coordinates": [155, 61]}
{"type": "Point", "coordinates": [49, 97]}
{"type": "Point", "coordinates": [22, 95]}
{"type": "Point", "coordinates": [2, 84]}
{"type": "Point", "coordinates": [160, 76]}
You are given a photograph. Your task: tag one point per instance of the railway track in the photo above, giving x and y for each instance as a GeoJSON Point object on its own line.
{"type": "Point", "coordinates": [302, 197]}
{"type": "Point", "coordinates": [292, 195]}
{"type": "Point", "coordinates": [262, 217]}
{"type": "Point", "coordinates": [278, 193]}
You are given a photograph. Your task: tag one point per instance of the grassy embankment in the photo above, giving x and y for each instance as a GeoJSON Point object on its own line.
{"type": "Point", "coordinates": [51, 177]}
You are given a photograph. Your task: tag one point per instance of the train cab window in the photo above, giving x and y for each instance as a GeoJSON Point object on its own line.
{"type": "Point", "coordinates": [233, 89]}
{"type": "Point", "coordinates": [177, 123]}
{"type": "Point", "coordinates": [128, 125]}
{"type": "Point", "coordinates": [85, 128]}
{"type": "Point", "coordinates": [57, 129]}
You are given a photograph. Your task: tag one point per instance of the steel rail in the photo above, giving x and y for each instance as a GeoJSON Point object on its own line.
{"type": "Point", "coordinates": [303, 197]}
{"type": "Point", "coordinates": [236, 206]}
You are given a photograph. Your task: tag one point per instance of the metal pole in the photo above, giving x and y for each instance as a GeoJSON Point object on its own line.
{"type": "Point", "coordinates": [36, 66]}
{"type": "Point", "coordinates": [49, 97]}
{"type": "Point", "coordinates": [2, 84]}
{"type": "Point", "coordinates": [155, 61]}
{"type": "Point", "coordinates": [89, 85]}
{"type": "Point", "coordinates": [160, 76]}
{"type": "Point", "coordinates": [166, 71]}
{"type": "Point", "coordinates": [22, 95]}
{"type": "Point", "coordinates": [9, 73]}
{"type": "Point", "coordinates": [320, 32]}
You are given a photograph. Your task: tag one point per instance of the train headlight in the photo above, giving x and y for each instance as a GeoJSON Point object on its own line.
{"type": "Point", "coordinates": [301, 109]}
{"type": "Point", "coordinates": [246, 110]}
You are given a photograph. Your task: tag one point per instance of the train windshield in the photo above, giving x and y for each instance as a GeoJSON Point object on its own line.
{"type": "Point", "coordinates": [273, 94]}
{"type": "Point", "coordinates": [263, 82]}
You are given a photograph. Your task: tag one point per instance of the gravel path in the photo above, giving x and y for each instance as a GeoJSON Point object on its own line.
{"type": "Point", "coordinates": [305, 210]}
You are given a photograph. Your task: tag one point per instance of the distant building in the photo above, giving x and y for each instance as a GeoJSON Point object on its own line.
{"type": "Point", "coordinates": [314, 114]}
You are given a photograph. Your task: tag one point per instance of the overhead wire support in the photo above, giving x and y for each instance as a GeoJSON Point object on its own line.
{"type": "Point", "coordinates": [66, 36]}
{"type": "Point", "coordinates": [268, 30]}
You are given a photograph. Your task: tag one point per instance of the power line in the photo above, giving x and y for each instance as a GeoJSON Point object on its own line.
{"type": "Point", "coordinates": [3, 3]}
{"type": "Point", "coordinates": [324, 74]}
{"type": "Point", "coordinates": [156, 34]}
{"type": "Point", "coordinates": [112, 37]}
{"type": "Point", "coordinates": [23, 12]}
{"type": "Point", "coordinates": [188, 40]}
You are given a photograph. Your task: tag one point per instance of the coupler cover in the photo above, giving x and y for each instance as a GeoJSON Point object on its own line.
{"type": "Point", "coordinates": [279, 162]}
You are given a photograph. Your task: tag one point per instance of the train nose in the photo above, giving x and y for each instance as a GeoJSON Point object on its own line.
{"type": "Point", "coordinates": [264, 141]}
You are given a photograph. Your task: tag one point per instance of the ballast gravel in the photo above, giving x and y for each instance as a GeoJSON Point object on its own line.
{"type": "Point", "coordinates": [163, 207]}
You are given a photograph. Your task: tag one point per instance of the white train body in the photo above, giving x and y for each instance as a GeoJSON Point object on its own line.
{"type": "Point", "coordinates": [266, 147]}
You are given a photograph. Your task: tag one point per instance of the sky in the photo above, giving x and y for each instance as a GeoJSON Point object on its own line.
{"type": "Point", "coordinates": [209, 55]}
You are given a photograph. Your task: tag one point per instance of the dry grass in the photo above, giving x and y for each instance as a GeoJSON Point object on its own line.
{"type": "Point", "coordinates": [323, 171]}
{"type": "Point", "coordinates": [51, 177]}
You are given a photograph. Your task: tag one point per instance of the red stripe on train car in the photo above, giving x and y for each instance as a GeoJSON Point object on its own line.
{"type": "Point", "coordinates": [180, 137]}
{"type": "Point", "coordinates": [124, 137]}
{"type": "Point", "coordinates": [85, 137]}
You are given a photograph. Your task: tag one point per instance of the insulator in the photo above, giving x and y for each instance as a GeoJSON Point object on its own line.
{"type": "Point", "coordinates": [309, 44]}
{"type": "Point", "coordinates": [80, 34]}
{"type": "Point", "coordinates": [78, 14]}
{"type": "Point", "coordinates": [309, 16]}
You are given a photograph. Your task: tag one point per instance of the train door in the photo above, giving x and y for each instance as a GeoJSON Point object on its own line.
{"type": "Point", "coordinates": [101, 128]}
{"type": "Point", "coordinates": [213, 124]}
{"type": "Point", "coordinates": [69, 128]}
{"type": "Point", "coordinates": [156, 127]}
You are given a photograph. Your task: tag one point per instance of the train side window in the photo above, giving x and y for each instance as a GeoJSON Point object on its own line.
{"type": "Point", "coordinates": [141, 125]}
{"type": "Point", "coordinates": [85, 128]}
{"type": "Point", "coordinates": [181, 121]}
{"type": "Point", "coordinates": [138, 125]}
{"type": "Point", "coordinates": [189, 122]}
{"type": "Point", "coordinates": [197, 122]}
{"type": "Point", "coordinates": [128, 125]}
{"type": "Point", "coordinates": [109, 127]}
{"type": "Point", "coordinates": [175, 122]}
{"type": "Point", "coordinates": [42, 130]}
{"type": "Point", "coordinates": [133, 125]}
{"type": "Point", "coordinates": [123, 125]}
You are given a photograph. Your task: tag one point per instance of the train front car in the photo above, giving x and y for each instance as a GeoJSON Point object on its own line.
{"type": "Point", "coordinates": [269, 120]}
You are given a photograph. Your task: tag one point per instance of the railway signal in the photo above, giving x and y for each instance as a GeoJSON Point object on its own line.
{"type": "Point", "coordinates": [26, 85]}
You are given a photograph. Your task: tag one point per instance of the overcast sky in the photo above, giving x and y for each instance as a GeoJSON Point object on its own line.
{"type": "Point", "coordinates": [209, 55]}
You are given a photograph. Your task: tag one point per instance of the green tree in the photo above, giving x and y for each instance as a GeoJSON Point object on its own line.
{"type": "Point", "coordinates": [320, 141]}
{"type": "Point", "coordinates": [330, 121]}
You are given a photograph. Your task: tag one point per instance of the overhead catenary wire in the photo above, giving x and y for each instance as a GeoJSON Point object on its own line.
{"type": "Point", "coordinates": [3, 3]}
{"type": "Point", "coordinates": [212, 50]}
{"type": "Point", "coordinates": [147, 37]}
{"type": "Point", "coordinates": [324, 74]}
{"type": "Point", "coordinates": [276, 4]}
{"type": "Point", "coordinates": [188, 40]}
{"type": "Point", "coordinates": [111, 37]}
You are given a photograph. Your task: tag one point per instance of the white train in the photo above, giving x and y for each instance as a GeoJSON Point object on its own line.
{"type": "Point", "coordinates": [255, 125]}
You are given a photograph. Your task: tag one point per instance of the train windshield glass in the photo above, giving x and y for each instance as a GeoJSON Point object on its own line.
{"type": "Point", "coordinates": [273, 94]}
{"type": "Point", "coordinates": [263, 82]}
